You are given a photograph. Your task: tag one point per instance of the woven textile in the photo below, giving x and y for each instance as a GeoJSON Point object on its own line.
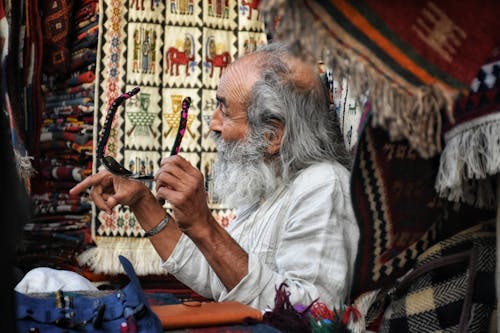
{"type": "Point", "coordinates": [450, 289]}
{"type": "Point", "coordinates": [471, 155]}
{"type": "Point", "coordinates": [57, 24]}
{"type": "Point", "coordinates": [395, 205]}
{"type": "Point", "coordinates": [399, 213]}
{"type": "Point", "coordinates": [413, 57]}
{"type": "Point", "coordinates": [171, 50]}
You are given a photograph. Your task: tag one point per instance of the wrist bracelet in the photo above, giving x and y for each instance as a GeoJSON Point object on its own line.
{"type": "Point", "coordinates": [159, 227]}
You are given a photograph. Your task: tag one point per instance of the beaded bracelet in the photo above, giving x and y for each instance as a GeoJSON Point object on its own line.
{"type": "Point", "coordinates": [159, 227]}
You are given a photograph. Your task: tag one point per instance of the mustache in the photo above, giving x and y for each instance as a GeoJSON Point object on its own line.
{"type": "Point", "coordinates": [216, 136]}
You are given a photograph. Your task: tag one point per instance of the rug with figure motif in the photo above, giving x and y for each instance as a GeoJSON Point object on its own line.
{"type": "Point", "coordinates": [171, 50]}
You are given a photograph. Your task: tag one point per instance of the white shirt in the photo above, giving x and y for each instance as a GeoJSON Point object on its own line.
{"type": "Point", "coordinates": [305, 234]}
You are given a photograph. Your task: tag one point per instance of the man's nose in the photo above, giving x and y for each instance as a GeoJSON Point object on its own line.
{"type": "Point", "coordinates": [216, 121]}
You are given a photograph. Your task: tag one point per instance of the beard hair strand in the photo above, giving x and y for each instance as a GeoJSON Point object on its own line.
{"type": "Point", "coordinates": [241, 173]}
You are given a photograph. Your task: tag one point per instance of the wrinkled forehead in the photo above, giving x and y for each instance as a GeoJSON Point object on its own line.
{"type": "Point", "coordinates": [238, 79]}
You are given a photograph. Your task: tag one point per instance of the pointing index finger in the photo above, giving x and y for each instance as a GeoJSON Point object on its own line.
{"type": "Point", "coordinates": [87, 183]}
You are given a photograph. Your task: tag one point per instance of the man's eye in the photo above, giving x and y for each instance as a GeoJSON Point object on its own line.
{"type": "Point", "coordinates": [222, 108]}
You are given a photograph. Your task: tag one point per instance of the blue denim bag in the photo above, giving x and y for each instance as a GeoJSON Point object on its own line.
{"type": "Point", "coordinates": [123, 310]}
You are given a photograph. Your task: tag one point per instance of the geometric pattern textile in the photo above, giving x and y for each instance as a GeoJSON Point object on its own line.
{"type": "Point", "coordinates": [396, 206]}
{"type": "Point", "coordinates": [171, 50]}
{"type": "Point", "coordinates": [413, 57]}
{"type": "Point", "coordinates": [398, 211]}
{"type": "Point", "coordinates": [450, 288]}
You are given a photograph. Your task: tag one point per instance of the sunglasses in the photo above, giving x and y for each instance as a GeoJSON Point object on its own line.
{"type": "Point", "coordinates": [109, 162]}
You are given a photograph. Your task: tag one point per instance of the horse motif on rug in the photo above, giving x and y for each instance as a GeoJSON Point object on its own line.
{"type": "Point", "coordinates": [212, 59]}
{"type": "Point", "coordinates": [176, 57]}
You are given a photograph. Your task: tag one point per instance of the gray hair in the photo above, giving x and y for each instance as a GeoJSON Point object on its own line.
{"type": "Point", "coordinates": [311, 130]}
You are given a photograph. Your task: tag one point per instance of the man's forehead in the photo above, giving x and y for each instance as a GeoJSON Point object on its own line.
{"type": "Point", "coordinates": [238, 78]}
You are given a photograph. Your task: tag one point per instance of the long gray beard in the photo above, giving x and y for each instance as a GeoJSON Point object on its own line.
{"type": "Point", "coordinates": [241, 175]}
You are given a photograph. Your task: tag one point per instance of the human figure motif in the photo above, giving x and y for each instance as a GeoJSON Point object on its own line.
{"type": "Point", "coordinates": [146, 50]}
{"type": "Point", "coordinates": [131, 165]}
{"type": "Point", "coordinates": [226, 9]}
{"type": "Point", "coordinates": [136, 51]}
{"type": "Point", "coordinates": [152, 65]}
{"type": "Point", "coordinates": [190, 7]}
{"type": "Point", "coordinates": [150, 168]}
{"type": "Point", "coordinates": [210, 8]}
{"type": "Point", "coordinates": [182, 4]}
{"type": "Point", "coordinates": [136, 3]}
{"type": "Point", "coordinates": [142, 171]}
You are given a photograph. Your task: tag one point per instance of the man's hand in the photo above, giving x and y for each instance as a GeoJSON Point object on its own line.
{"type": "Point", "coordinates": [108, 190]}
{"type": "Point", "coordinates": [181, 184]}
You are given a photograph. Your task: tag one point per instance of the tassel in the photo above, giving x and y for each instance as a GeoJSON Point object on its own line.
{"type": "Point", "coordinates": [315, 318]}
{"type": "Point", "coordinates": [284, 316]}
{"type": "Point", "coordinates": [470, 157]}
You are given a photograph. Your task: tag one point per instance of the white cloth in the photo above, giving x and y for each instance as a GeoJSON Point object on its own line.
{"type": "Point", "coordinates": [305, 235]}
{"type": "Point", "coordinates": [46, 280]}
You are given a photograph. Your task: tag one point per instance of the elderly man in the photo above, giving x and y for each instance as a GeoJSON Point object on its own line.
{"type": "Point", "coordinates": [282, 164]}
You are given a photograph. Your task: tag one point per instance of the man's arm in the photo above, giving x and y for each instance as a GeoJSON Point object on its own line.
{"type": "Point", "coordinates": [182, 185]}
{"type": "Point", "coordinates": [108, 190]}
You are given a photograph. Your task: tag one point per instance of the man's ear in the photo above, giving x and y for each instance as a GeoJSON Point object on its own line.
{"type": "Point", "coordinates": [275, 138]}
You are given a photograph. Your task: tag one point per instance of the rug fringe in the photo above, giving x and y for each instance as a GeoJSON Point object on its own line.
{"type": "Point", "coordinates": [362, 304]}
{"type": "Point", "coordinates": [24, 166]}
{"type": "Point", "coordinates": [413, 113]}
{"type": "Point", "coordinates": [471, 154]}
{"type": "Point", "coordinates": [104, 257]}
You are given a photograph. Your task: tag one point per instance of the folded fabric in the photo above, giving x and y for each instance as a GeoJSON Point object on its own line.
{"type": "Point", "coordinates": [93, 26]}
{"type": "Point", "coordinates": [74, 101]}
{"type": "Point", "coordinates": [46, 280]}
{"type": "Point", "coordinates": [87, 41]}
{"type": "Point", "coordinates": [66, 146]}
{"type": "Point", "coordinates": [79, 78]}
{"type": "Point", "coordinates": [70, 110]}
{"type": "Point", "coordinates": [55, 226]}
{"type": "Point", "coordinates": [67, 136]}
{"type": "Point", "coordinates": [82, 58]}
{"type": "Point", "coordinates": [86, 11]}
{"type": "Point", "coordinates": [56, 90]}
{"type": "Point", "coordinates": [61, 217]}
{"type": "Point", "coordinates": [84, 20]}
{"type": "Point", "coordinates": [89, 93]}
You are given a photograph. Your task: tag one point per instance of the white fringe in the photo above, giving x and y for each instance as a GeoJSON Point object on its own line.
{"type": "Point", "coordinates": [24, 167]}
{"type": "Point", "coordinates": [104, 257]}
{"type": "Point", "coordinates": [415, 116]}
{"type": "Point", "coordinates": [470, 156]}
{"type": "Point", "coordinates": [362, 304]}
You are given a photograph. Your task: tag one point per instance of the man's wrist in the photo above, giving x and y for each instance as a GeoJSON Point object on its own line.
{"type": "Point", "coordinates": [159, 227]}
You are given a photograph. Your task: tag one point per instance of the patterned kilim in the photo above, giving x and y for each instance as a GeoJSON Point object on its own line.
{"type": "Point", "coordinates": [413, 57]}
{"type": "Point", "coordinates": [399, 213]}
{"type": "Point", "coordinates": [450, 288]}
{"type": "Point", "coordinates": [396, 208]}
{"type": "Point", "coordinates": [171, 50]}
